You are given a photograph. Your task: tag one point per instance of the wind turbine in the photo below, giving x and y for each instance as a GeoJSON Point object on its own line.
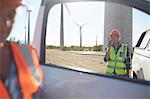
{"type": "Point", "coordinates": [80, 26]}
{"type": "Point", "coordinates": [80, 30]}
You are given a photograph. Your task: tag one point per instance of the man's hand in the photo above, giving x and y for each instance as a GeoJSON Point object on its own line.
{"type": "Point", "coordinates": [107, 51]}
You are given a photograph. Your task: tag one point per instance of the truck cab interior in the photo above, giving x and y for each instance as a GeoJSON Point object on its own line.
{"type": "Point", "coordinates": [63, 81]}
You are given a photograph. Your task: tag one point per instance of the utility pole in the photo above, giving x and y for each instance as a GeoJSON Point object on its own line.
{"type": "Point", "coordinates": [62, 28]}
{"type": "Point", "coordinates": [25, 39]}
{"type": "Point", "coordinates": [96, 41]}
{"type": "Point", "coordinates": [29, 11]}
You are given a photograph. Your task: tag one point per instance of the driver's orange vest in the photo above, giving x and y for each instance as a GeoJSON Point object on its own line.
{"type": "Point", "coordinates": [30, 75]}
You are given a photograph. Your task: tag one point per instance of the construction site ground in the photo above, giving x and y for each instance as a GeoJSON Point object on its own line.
{"type": "Point", "coordinates": [89, 60]}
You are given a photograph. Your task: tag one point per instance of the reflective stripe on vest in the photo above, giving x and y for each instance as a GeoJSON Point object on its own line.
{"type": "Point", "coordinates": [3, 91]}
{"type": "Point", "coordinates": [117, 60]}
{"type": "Point", "coordinates": [29, 72]}
{"type": "Point", "coordinates": [36, 63]}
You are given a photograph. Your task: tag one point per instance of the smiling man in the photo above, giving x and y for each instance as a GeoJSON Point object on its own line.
{"type": "Point", "coordinates": [117, 56]}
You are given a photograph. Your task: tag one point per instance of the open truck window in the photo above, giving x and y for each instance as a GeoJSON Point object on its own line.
{"type": "Point", "coordinates": [85, 27]}
{"type": "Point", "coordinates": [81, 45]}
{"type": "Point", "coordinates": [77, 33]}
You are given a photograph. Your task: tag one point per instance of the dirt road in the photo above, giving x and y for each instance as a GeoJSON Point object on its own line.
{"type": "Point", "coordinates": [76, 60]}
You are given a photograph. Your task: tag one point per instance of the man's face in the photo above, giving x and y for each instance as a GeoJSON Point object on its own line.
{"type": "Point", "coordinates": [7, 16]}
{"type": "Point", "coordinates": [114, 38]}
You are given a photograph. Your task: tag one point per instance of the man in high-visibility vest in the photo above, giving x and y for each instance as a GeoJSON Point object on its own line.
{"type": "Point", "coordinates": [117, 56]}
{"type": "Point", "coordinates": [20, 72]}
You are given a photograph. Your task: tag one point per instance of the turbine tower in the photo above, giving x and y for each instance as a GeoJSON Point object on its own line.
{"type": "Point", "coordinates": [118, 17]}
{"type": "Point", "coordinates": [62, 28]}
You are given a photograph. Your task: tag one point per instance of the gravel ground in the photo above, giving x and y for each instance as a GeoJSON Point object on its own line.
{"type": "Point", "coordinates": [93, 62]}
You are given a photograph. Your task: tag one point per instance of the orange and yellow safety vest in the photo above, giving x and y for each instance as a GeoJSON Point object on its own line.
{"type": "Point", "coordinates": [30, 80]}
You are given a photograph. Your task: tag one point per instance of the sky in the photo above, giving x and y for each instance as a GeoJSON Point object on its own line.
{"type": "Point", "coordinates": [91, 14]}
